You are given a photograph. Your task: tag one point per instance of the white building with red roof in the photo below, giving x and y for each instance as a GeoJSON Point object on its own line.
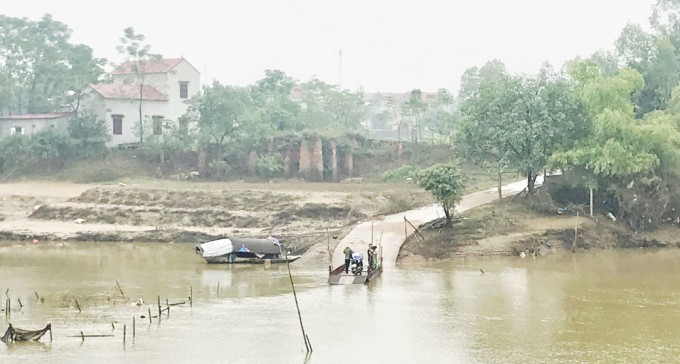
{"type": "Point", "coordinates": [166, 87]}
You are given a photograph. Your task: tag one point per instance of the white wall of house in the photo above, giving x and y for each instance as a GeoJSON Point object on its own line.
{"type": "Point", "coordinates": [105, 108]}
{"type": "Point", "coordinates": [32, 126]}
{"type": "Point", "coordinates": [183, 72]}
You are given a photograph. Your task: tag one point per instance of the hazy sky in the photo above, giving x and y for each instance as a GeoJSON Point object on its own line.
{"type": "Point", "coordinates": [387, 45]}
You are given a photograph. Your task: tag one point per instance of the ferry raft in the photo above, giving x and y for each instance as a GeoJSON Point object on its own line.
{"type": "Point", "coordinates": [364, 275]}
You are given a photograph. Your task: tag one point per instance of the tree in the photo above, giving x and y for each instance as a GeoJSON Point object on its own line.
{"type": "Point", "coordinates": [442, 115]}
{"type": "Point", "coordinates": [521, 121]}
{"type": "Point", "coordinates": [446, 185]}
{"type": "Point", "coordinates": [140, 59]}
{"type": "Point", "coordinates": [272, 95]}
{"type": "Point", "coordinates": [414, 108]}
{"type": "Point", "coordinates": [633, 159]}
{"type": "Point", "coordinates": [89, 134]}
{"type": "Point", "coordinates": [40, 69]}
{"type": "Point", "coordinates": [221, 112]}
{"type": "Point", "coordinates": [327, 109]}
{"type": "Point", "coordinates": [474, 77]}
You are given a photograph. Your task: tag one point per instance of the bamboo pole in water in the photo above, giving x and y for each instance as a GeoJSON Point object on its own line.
{"type": "Point", "coordinates": [78, 305]}
{"type": "Point", "coordinates": [149, 315]}
{"type": "Point", "coordinates": [308, 344]}
{"type": "Point", "coordinates": [159, 309]}
{"type": "Point", "coordinates": [134, 327]}
{"type": "Point", "coordinates": [124, 332]}
{"type": "Point", "coordinates": [330, 255]}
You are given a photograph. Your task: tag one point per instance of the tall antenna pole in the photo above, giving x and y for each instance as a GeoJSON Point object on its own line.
{"type": "Point", "coordinates": [340, 68]}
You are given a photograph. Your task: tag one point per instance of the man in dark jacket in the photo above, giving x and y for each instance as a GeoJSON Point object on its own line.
{"type": "Point", "coordinates": [348, 255]}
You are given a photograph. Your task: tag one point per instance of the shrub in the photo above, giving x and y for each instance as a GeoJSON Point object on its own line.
{"type": "Point", "coordinates": [402, 173]}
{"type": "Point", "coordinates": [268, 166]}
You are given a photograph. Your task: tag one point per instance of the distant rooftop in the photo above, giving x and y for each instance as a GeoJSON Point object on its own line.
{"type": "Point", "coordinates": [128, 92]}
{"type": "Point", "coordinates": [157, 66]}
{"type": "Point", "coordinates": [53, 115]}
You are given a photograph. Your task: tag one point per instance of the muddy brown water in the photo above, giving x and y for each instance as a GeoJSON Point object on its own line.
{"type": "Point", "coordinates": [605, 306]}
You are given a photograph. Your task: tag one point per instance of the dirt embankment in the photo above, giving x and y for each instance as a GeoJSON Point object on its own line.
{"type": "Point", "coordinates": [299, 213]}
{"type": "Point", "coordinates": [509, 227]}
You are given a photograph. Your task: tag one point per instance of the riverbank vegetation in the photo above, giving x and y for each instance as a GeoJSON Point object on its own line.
{"type": "Point", "coordinates": [609, 123]}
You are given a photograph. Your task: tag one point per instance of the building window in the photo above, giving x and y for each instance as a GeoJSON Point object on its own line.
{"type": "Point", "coordinates": [117, 124]}
{"type": "Point", "coordinates": [183, 89]}
{"type": "Point", "coordinates": [16, 130]}
{"type": "Point", "coordinates": [157, 125]}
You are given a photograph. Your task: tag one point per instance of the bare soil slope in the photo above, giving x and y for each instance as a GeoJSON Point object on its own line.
{"type": "Point", "coordinates": [299, 213]}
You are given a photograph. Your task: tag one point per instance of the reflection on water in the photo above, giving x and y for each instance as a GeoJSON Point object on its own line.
{"type": "Point", "coordinates": [596, 307]}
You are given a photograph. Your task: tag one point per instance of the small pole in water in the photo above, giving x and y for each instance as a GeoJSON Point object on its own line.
{"type": "Point", "coordinates": [50, 326]}
{"type": "Point", "coordinates": [82, 337]}
{"type": "Point", "coordinates": [120, 289]}
{"type": "Point", "coordinates": [149, 315]}
{"type": "Point", "coordinates": [78, 305]}
{"type": "Point", "coordinates": [124, 332]}
{"type": "Point", "coordinates": [113, 327]}
{"type": "Point", "coordinates": [21, 305]}
{"type": "Point", "coordinates": [159, 309]}
{"type": "Point", "coordinates": [37, 298]}
{"type": "Point", "coordinates": [134, 327]}
{"type": "Point", "coordinates": [167, 306]}
{"type": "Point", "coordinates": [191, 296]}
{"type": "Point", "coordinates": [308, 344]}
{"type": "Point", "coordinates": [372, 232]}
{"type": "Point", "coordinates": [330, 255]}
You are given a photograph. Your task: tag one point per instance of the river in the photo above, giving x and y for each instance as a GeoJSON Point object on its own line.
{"type": "Point", "coordinates": [599, 306]}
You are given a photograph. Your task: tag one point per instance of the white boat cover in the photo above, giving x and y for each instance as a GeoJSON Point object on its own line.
{"type": "Point", "coordinates": [216, 248]}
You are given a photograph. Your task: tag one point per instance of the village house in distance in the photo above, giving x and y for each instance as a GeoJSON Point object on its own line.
{"type": "Point", "coordinates": [167, 85]}
{"type": "Point", "coordinates": [29, 124]}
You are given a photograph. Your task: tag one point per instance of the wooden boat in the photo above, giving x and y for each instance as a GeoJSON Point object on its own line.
{"type": "Point", "coordinates": [243, 250]}
{"type": "Point", "coordinates": [13, 334]}
{"type": "Point", "coordinates": [338, 276]}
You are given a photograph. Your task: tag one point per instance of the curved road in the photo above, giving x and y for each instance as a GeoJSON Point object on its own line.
{"type": "Point", "coordinates": [392, 226]}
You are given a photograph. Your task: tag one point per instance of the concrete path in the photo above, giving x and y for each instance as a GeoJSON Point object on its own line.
{"type": "Point", "coordinates": [391, 227]}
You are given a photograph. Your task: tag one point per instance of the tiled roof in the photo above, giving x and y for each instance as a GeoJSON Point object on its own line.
{"type": "Point", "coordinates": [128, 92]}
{"type": "Point", "coordinates": [53, 115]}
{"type": "Point", "coordinates": [156, 66]}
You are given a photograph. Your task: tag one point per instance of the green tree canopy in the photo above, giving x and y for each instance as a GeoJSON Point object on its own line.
{"type": "Point", "coordinates": [632, 158]}
{"type": "Point", "coordinates": [40, 69]}
{"type": "Point", "coordinates": [446, 185]}
{"type": "Point", "coordinates": [520, 121]}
